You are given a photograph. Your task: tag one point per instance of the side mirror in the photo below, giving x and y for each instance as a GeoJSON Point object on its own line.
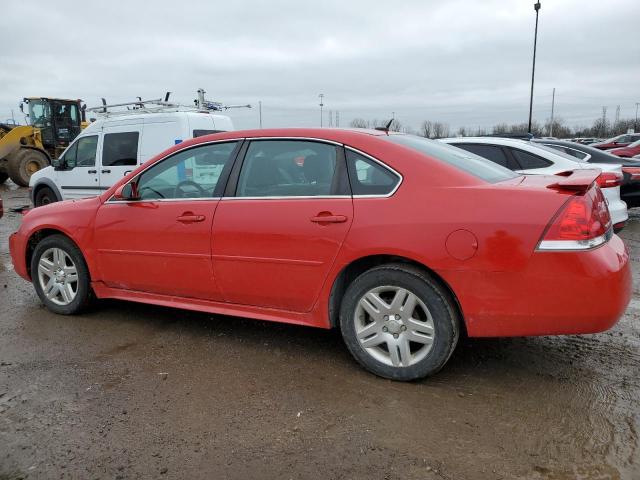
{"type": "Point", "coordinates": [59, 164]}
{"type": "Point", "coordinates": [127, 192]}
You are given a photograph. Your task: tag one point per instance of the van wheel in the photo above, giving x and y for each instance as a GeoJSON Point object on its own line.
{"type": "Point", "coordinates": [60, 275]}
{"type": "Point", "coordinates": [398, 322]}
{"type": "Point", "coordinates": [24, 163]}
{"type": "Point", "coordinates": [45, 196]}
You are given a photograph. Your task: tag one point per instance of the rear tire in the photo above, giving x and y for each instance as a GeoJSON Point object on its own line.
{"type": "Point", "coordinates": [398, 322]}
{"type": "Point", "coordinates": [60, 275]}
{"type": "Point", "coordinates": [45, 196]}
{"type": "Point", "coordinates": [24, 163]}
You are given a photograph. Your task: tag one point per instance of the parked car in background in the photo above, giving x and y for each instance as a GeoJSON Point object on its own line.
{"type": "Point", "coordinates": [399, 241]}
{"type": "Point", "coordinates": [529, 158]}
{"type": "Point", "coordinates": [629, 151]}
{"type": "Point", "coordinates": [586, 140]}
{"type": "Point", "coordinates": [616, 142]}
{"type": "Point", "coordinates": [630, 186]}
{"type": "Point", "coordinates": [113, 146]}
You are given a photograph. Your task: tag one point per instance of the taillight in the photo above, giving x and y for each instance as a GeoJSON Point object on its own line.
{"type": "Point", "coordinates": [582, 223]}
{"type": "Point", "coordinates": [609, 179]}
{"type": "Point", "coordinates": [634, 172]}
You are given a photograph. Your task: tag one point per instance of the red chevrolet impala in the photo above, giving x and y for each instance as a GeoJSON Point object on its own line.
{"type": "Point", "coordinates": [398, 241]}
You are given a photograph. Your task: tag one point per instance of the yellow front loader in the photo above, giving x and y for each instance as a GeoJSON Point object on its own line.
{"type": "Point", "coordinates": [25, 149]}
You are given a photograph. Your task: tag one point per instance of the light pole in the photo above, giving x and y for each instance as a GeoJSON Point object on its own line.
{"type": "Point", "coordinates": [635, 124]}
{"type": "Point", "coordinates": [536, 6]}
{"type": "Point", "coordinates": [321, 105]}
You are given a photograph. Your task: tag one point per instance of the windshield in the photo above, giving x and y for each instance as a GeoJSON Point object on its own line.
{"type": "Point", "coordinates": [39, 113]}
{"type": "Point", "coordinates": [461, 159]}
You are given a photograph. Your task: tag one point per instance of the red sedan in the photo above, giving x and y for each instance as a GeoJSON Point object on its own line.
{"type": "Point", "coordinates": [629, 151]}
{"type": "Point", "coordinates": [400, 242]}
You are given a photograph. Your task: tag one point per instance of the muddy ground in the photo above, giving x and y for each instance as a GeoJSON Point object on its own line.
{"type": "Point", "coordinates": [134, 391]}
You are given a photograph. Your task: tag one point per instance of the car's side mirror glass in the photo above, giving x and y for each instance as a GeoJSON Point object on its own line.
{"type": "Point", "coordinates": [126, 192]}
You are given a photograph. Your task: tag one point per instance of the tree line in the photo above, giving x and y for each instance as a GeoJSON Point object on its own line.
{"type": "Point", "coordinates": [601, 128]}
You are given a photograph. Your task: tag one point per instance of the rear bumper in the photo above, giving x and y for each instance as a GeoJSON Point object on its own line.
{"type": "Point", "coordinates": [558, 293]}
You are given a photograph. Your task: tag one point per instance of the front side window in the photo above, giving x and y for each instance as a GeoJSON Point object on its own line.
{"type": "Point", "coordinates": [368, 177]}
{"type": "Point", "coordinates": [287, 168]}
{"type": "Point", "coordinates": [529, 161]}
{"type": "Point", "coordinates": [82, 153]}
{"type": "Point", "coordinates": [192, 173]}
{"type": "Point", "coordinates": [120, 149]}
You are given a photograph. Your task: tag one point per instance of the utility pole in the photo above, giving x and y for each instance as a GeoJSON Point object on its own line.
{"type": "Point", "coordinates": [536, 6]}
{"type": "Point", "coordinates": [330, 118]}
{"type": "Point", "coordinates": [260, 111]}
{"type": "Point", "coordinates": [617, 121]}
{"type": "Point", "coordinates": [553, 101]}
{"type": "Point", "coordinates": [635, 124]}
{"type": "Point", "coordinates": [321, 105]}
{"type": "Point", "coordinates": [337, 118]}
{"type": "Point", "coordinates": [604, 121]}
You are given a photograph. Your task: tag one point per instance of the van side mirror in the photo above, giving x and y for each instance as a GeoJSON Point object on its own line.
{"type": "Point", "coordinates": [59, 164]}
{"type": "Point", "coordinates": [127, 192]}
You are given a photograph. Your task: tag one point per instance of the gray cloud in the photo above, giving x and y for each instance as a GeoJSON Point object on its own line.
{"type": "Point", "coordinates": [463, 62]}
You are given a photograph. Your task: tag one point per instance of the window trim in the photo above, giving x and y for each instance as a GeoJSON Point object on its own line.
{"type": "Point", "coordinates": [238, 148]}
{"type": "Point", "coordinates": [398, 175]}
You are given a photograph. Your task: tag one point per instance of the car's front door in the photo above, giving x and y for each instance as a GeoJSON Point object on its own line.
{"type": "Point", "coordinates": [276, 238]}
{"type": "Point", "coordinates": [161, 242]}
{"type": "Point", "coordinates": [79, 176]}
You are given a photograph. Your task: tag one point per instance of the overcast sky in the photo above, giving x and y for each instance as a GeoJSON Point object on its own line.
{"type": "Point", "coordinates": [464, 62]}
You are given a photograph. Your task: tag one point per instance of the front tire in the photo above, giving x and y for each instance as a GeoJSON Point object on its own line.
{"type": "Point", "coordinates": [398, 322]}
{"type": "Point", "coordinates": [24, 163]}
{"type": "Point", "coordinates": [45, 196]}
{"type": "Point", "coordinates": [60, 275]}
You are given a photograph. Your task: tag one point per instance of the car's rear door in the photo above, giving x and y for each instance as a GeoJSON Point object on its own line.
{"type": "Point", "coordinates": [161, 243]}
{"type": "Point", "coordinates": [277, 234]}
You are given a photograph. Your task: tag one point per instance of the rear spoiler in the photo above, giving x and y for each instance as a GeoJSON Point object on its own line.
{"type": "Point", "coordinates": [576, 180]}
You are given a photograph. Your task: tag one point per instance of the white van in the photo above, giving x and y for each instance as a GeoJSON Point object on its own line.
{"type": "Point", "coordinates": [112, 146]}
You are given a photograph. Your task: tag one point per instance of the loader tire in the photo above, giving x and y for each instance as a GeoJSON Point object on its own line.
{"type": "Point", "coordinates": [24, 163]}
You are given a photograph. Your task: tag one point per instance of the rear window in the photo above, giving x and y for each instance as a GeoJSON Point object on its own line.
{"type": "Point", "coordinates": [461, 159]}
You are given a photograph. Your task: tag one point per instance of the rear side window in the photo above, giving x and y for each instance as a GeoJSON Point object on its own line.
{"type": "Point", "coordinates": [490, 152]}
{"type": "Point", "coordinates": [529, 161]}
{"type": "Point", "coordinates": [577, 154]}
{"type": "Point", "coordinates": [287, 168]}
{"type": "Point", "coordinates": [120, 149]}
{"type": "Point", "coordinates": [467, 162]}
{"type": "Point", "coordinates": [202, 133]}
{"type": "Point", "coordinates": [368, 177]}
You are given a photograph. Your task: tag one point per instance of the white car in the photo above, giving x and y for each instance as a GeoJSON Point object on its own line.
{"type": "Point", "coordinates": [112, 146]}
{"type": "Point", "coordinates": [534, 159]}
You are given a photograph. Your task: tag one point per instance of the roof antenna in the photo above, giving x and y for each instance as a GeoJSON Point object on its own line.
{"type": "Point", "coordinates": [386, 127]}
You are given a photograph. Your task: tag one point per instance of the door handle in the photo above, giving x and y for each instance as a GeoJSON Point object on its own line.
{"type": "Point", "coordinates": [92, 171]}
{"type": "Point", "coordinates": [105, 171]}
{"type": "Point", "coordinates": [328, 218]}
{"type": "Point", "coordinates": [189, 217]}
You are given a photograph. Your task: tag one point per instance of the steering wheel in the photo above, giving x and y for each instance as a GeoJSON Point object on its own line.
{"type": "Point", "coordinates": [180, 193]}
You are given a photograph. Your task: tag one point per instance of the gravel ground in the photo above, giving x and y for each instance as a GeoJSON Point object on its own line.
{"type": "Point", "coordinates": [135, 391]}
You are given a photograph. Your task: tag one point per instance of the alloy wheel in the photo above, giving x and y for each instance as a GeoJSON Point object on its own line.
{"type": "Point", "coordinates": [58, 276]}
